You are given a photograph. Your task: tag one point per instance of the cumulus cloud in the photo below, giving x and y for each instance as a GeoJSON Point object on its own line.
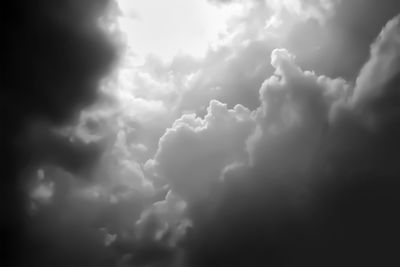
{"type": "Point", "coordinates": [288, 207]}
{"type": "Point", "coordinates": [194, 151]}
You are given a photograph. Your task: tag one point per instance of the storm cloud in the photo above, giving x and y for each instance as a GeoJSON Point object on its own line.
{"type": "Point", "coordinates": [277, 147]}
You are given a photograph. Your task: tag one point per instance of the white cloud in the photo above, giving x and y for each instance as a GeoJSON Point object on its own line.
{"type": "Point", "coordinates": [305, 9]}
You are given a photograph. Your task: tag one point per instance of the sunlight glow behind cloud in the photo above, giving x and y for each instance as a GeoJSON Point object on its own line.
{"type": "Point", "coordinates": [165, 28]}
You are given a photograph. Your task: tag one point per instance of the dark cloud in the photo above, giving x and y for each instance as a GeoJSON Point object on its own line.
{"type": "Point", "coordinates": [344, 39]}
{"type": "Point", "coordinates": [54, 54]}
{"type": "Point", "coordinates": [321, 186]}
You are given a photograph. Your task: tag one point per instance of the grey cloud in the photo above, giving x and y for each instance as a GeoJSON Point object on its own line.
{"type": "Point", "coordinates": [193, 153]}
{"type": "Point", "coordinates": [230, 76]}
{"type": "Point", "coordinates": [345, 38]}
{"type": "Point", "coordinates": [320, 188]}
{"type": "Point", "coordinates": [231, 73]}
{"type": "Point", "coordinates": [374, 80]}
{"type": "Point", "coordinates": [53, 55]}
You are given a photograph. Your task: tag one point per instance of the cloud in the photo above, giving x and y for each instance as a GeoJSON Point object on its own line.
{"type": "Point", "coordinates": [185, 163]}
{"type": "Point", "coordinates": [54, 55]}
{"type": "Point", "coordinates": [231, 72]}
{"type": "Point", "coordinates": [344, 38]}
{"type": "Point", "coordinates": [192, 155]}
{"type": "Point", "coordinates": [379, 76]}
{"type": "Point", "coordinates": [94, 219]}
{"type": "Point", "coordinates": [233, 163]}
{"type": "Point", "coordinates": [306, 9]}
{"type": "Point", "coordinates": [42, 191]}
{"type": "Point", "coordinates": [261, 186]}
{"type": "Point", "coordinates": [295, 105]}
{"type": "Point", "coordinates": [317, 186]}
{"type": "Point", "coordinates": [61, 57]}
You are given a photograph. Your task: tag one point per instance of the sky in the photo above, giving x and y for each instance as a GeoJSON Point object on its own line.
{"type": "Point", "coordinates": [200, 133]}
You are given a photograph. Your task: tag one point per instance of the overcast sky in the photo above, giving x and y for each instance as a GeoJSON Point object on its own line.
{"type": "Point", "coordinates": [200, 133]}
